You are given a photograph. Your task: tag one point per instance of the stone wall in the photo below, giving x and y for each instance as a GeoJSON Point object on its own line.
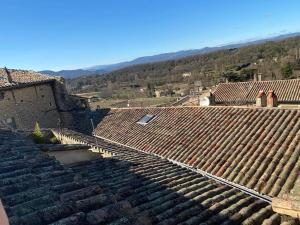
{"type": "Point", "coordinates": [49, 104]}
{"type": "Point", "coordinates": [72, 112]}
{"type": "Point", "coordinates": [22, 107]}
{"type": "Point", "coordinates": [80, 119]}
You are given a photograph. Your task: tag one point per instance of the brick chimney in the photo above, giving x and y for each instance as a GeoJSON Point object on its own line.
{"type": "Point", "coordinates": [261, 99]}
{"type": "Point", "coordinates": [272, 99]}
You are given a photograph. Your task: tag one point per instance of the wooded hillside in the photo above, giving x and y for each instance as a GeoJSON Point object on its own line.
{"type": "Point", "coordinates": [274, 60]}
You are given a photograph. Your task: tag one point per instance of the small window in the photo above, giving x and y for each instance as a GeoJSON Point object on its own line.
{"type": "Point", "coordinates": [50, 104]}
{"type": "Point", "coordinates": [43, 96]}
{"type": "Point", "coordinates": [22, 100]}
{"type": "Point", "coordinates": [146, 119]}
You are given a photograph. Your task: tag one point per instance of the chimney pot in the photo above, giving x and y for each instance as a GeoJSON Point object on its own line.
{"type": "Point", "coordinates": [272, 100]}
{"type": "Point", "coordinates": [261, 99]}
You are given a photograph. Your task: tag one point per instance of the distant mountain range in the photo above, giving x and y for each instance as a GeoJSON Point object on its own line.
{"type": "Point", "coordinates": [102, 69]}
{"type": "Point", "coordinates": [72, 73]}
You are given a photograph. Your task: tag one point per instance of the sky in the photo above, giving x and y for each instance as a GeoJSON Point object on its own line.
{"type": "Point", "coordinates": [71, 34]}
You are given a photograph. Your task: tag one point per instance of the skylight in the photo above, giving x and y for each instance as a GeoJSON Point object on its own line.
{"type": "Point", "coordinates": [146, 119]}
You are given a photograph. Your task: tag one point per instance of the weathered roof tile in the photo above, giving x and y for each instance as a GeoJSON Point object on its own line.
{"type": "Point", "coordinates": [256, 148]}
{"type": "Point", "coordinates": [168, 194]}
{"type": "Point", "coordinates": [287, 91]}
{"type": "Point", "coordinates": [22, 77]}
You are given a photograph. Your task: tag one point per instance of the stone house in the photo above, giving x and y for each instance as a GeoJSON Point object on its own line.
{"type": "Point", "coordinates": [27, 97]}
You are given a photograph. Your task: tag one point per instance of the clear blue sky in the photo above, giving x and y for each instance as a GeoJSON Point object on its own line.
{"type": "Point", "coordinates": [69, 34]}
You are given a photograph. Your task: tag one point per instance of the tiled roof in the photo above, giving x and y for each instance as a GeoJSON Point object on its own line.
{"type": "Point", "coordinates": [130, 188]}
{"type": "Point", "coordinates": [252, 147]}
{"type": "Point", "coordinates": [246, 92]}
{"type": "Point", "coordinates": [161, 192]}
{"type": "Point", "coordinates": [22, 77]}
{"type": "Point", "coordinates": [36, 189]}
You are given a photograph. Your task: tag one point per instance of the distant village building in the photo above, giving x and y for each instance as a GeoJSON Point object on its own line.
{"type": "Point", "coordinates": [27, 97]}
{"type": "Point", "coordinates": [84, 101]}
{"type": "Point", "coordinates": [157, 93]}
{"type": "Point", "coordinates": [198, 86]}
{"type": "Point", "coordinates": [287, 92]}
{"type": "Point", "coordinates": [257, 77]}
{"type": "Point", "coordinates": [187, 74]}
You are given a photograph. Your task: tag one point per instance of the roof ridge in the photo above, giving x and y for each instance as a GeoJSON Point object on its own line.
{"type": "Point", "coordinates": [212, 106]}
{"type": "Point", "coordinates": [262, 81]}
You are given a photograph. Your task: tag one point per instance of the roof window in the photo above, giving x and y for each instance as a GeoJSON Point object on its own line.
{"type": "Point", "coordinates": [146, 119]}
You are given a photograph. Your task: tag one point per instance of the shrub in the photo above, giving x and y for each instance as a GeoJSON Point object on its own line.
{"type": "Point", "coordinates": [287, 70]}
{"type": "Point", "coordinates": [37, 134]}
{"type": "Point", "coordinates": [53, 140]}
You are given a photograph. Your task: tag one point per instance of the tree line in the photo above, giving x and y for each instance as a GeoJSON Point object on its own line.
{"type": "Point", "coordinates": [273, 59]}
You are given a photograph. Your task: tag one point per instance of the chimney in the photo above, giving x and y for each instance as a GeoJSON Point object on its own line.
{"type": "Point", "coordinates": [272, 99]}
{"type": "Point", "coordinates": [261, 99]}
{"type": "Point", "coordinates": [259, 77]}
{"type": "Point", "coordinates": [255, 77]}
{"type": "Point", "coordinates": [212, 98]}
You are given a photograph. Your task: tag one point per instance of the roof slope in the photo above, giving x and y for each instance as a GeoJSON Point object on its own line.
{"type": "Point", "coordinates": [253, 147]}
{"type": "Point", "coordinates": [246, 92]}
{"type": "Point", "coordinates": [37, 190]}
{"type": "Point", "coordinates": [161, 192]}
{"type": "Point", "coordinates": [22, 77]}
{"type": "Point", "coordinates": [129, 188]}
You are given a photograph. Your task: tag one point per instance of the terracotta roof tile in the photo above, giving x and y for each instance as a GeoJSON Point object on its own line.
{"type": "Point", "coordinates": [256, 148]}
{"type": "Point", "coordinates": [245, 92]}
{"type": "Point", "coordinates": [168, 194]}
{"type": "Point", "coordinates": [131, 187]}
{"type": "Point", "coordinates": [22, 77]}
